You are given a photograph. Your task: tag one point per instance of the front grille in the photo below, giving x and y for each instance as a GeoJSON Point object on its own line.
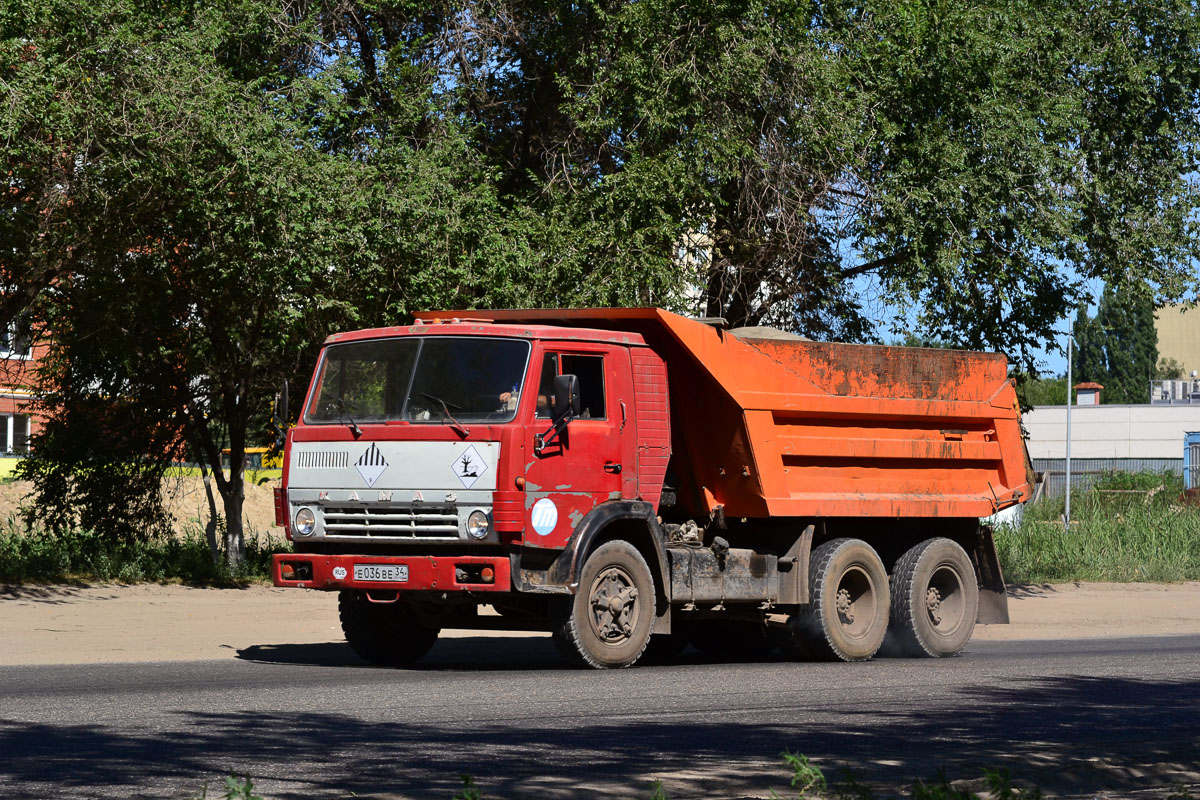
{"type": "Point", "coordinates": [411, 522]}
{"type": "Point", "coordinates": [322, 459]}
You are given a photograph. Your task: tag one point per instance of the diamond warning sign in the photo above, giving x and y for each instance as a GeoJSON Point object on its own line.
{"type": "Point", "coordinates": [469, 466]}
{"type": "Point", "coordinates": [371, 465]}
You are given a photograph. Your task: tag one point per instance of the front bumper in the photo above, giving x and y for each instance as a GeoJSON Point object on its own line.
{"type": "Point", "coordinates": [425, 573]}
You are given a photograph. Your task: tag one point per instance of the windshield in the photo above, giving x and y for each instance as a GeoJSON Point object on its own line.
{"type": "Point", "coordinates": [432, 379]}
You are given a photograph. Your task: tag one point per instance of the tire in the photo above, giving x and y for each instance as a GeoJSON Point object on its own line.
{"type": "Point", "coordinates": [387, 634]}
{"type": "Point", "coordinates": [607, 624]}
{"type": "Point", "coordinates": [935, 598]}
{"type": "Point", "coordinates": [847, 616]}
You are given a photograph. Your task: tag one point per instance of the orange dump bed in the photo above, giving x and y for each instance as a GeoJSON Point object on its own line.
{"type": "Point", "coordinates": [780, 426]}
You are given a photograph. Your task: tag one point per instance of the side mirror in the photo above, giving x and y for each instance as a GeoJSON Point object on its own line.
{"type": "Point", "coordinates": [566, 396]}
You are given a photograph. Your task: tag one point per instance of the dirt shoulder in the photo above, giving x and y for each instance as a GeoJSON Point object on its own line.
{"type": "Point", "coordinates": [148, 622]}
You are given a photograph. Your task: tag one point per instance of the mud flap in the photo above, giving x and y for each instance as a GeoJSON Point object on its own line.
{"type": "Point", "coordinates": [993, 596]}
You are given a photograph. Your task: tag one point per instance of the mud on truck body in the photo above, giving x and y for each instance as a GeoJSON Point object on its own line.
{"type": "Point", "coordinates": [631, 479]}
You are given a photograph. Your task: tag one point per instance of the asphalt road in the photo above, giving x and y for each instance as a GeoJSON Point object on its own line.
{"type": "Point", "coordinates": [1114, 716]}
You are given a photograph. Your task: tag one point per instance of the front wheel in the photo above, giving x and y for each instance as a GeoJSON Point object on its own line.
{"type": "Point", "coordinates": [608, 622]}
{"type": "Point", "coordinates": [935, 599]}
{"type": "Point", "coordinates": [388, 634]}
{"type": "Point", "coordinates": [847, 617]}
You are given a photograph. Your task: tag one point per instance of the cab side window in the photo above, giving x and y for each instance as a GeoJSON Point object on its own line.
{"type": "Point", "coordinates": [590, 371]}
{"type": "Point", "coordinates": [546, 385]}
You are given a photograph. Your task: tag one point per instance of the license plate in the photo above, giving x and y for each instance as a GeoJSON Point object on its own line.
{"type": "Point", "coordinates": [395, 573]}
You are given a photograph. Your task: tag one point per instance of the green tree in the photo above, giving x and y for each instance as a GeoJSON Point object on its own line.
{"type": "Point", "coordinates": [1118, 348]}
{"type": "Point", "coordinates": [1131, 346]}
{"type": "Point", "coordinates": [1168, 369]}
{"type": "Point", "coordinates": [198, 193]}
{"type": "Point", "coordinates": [1089, 361]}
{"type": "Point", "coordinates": [185, 233]}
{"type": "Point", "coordinates": [1034, 392]}
{"type": "Point", "coordinates": [978, 161]}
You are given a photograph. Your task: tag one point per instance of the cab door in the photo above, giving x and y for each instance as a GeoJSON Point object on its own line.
{"type": "Point", "coordinates": [591, 461]}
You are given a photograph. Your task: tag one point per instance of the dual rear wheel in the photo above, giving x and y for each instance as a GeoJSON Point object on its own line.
{"type": "Point", "coordinates": [927, 608]}
{"type": "Point", "coordinates": [847, 616]}
{"type": "Point", "coordinates": [935, 598]}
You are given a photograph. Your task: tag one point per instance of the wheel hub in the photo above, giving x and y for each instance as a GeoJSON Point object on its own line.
{"type": "Point", "coordinates": [845, 606]}
{"type": "Point", "coordinates": [933, 603]}
{"type": "Point", "coordinates": [614, 604]}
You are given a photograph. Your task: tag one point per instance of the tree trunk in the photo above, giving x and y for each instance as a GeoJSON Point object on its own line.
{"type": "Point", "coordinates": [233, 493]}
{"type": "Point", "coordinates": [210, 529]}
{"type": "Point", "coordinates": [232, 487]}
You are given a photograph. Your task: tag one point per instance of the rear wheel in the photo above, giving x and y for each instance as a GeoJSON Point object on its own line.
{"type": "Point", "coordinates": [607, 623]}
{"type": "Point", "coordinates": [388, 634]}
{"type": "Point", "coordinates": [935, 599]}
{"type": "Point", "coordinates": [847, 616]}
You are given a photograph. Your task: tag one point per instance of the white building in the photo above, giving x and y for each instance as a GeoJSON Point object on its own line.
{"type": "Point", "coordinates": [1111, 432]}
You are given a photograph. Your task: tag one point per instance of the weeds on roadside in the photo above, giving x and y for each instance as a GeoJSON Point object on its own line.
{"type": "Point", "coordinates": [37, 555]}
{"type": "Point", "coordinates": [998, 782]}
{"type": "Point", "coordinates": [1128, 527]}
{"type": "Point", "coordinates": [469, 791]}
{"type": "Point", "coordinates": [235, 789]}
{"type": "Point", "coordinates": [1181, 792]}
{"type": "Point", "coordinates": [807, 781]}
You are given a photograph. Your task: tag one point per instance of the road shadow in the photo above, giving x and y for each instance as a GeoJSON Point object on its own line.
{"type": "Point", "coordinates": [324, 654]}
{"type": "Point", "coordinates": [1067, 735]}
{"type": "Point", "coordinates": [470, 654]}
{"type": "Point", "coordinates": [1030, 589]}
{"type": "Point", "coordinates": [50, 593]}
{"type": "Point", "coordinates": [476, 653]}
{"type": "Point", "coordinates": [64, 593]}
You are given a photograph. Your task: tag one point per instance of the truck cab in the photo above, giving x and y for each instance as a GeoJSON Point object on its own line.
{"type": "Point", "coordinates": [447, 464]}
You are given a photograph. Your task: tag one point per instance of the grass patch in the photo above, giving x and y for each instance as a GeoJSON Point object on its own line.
{"type": "Point", "coordinates": [39, 556]}
{"type": "Point", "coordinates": [807, 783]}
{"type": "Point", "coordinates": [1128, 527]}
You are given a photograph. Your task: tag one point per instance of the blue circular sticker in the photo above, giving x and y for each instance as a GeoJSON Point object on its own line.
{"type": "Point", "coordinates": [544, 516]}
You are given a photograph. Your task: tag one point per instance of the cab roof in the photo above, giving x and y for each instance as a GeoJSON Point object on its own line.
{"type": "Point", "coordinates": [479, 323]}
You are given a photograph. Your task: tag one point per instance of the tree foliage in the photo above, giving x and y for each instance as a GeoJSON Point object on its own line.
{"type": "Point", "coordinates": [186, 242]}
{"type": "Point", "coordinates": [196, 193]}
{"type": "Point", "coordinates": [1118, 348]}
{"type": "Point", "coordinates": [1048, 391]}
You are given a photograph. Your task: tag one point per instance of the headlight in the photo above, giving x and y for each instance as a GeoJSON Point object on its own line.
{"type": "Point", "coordinates": [305, 521]}
{"type": "Point", "coordinates": [477, 525]}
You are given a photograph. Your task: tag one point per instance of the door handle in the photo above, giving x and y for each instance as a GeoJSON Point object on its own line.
{"type": "Point", "coordinates": [614, 468]}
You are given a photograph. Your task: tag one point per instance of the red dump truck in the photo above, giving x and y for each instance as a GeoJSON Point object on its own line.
{"type": "Point", "coordinates": [630, 479]}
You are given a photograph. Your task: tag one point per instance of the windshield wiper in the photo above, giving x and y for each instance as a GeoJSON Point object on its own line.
{"type": "Point", "coordinates": [455, 425]}
{"type": "Point", "coordinates": [346, 419]}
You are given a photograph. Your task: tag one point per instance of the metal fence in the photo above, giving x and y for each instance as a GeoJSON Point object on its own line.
{"type": "Point", "coordinates": [1086, 471]}
{"type": "Point", "coordinates": [1178, 392]}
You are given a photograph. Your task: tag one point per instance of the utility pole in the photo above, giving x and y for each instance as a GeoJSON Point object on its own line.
{"type": "Point", "coordinates": [1070, 343]}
